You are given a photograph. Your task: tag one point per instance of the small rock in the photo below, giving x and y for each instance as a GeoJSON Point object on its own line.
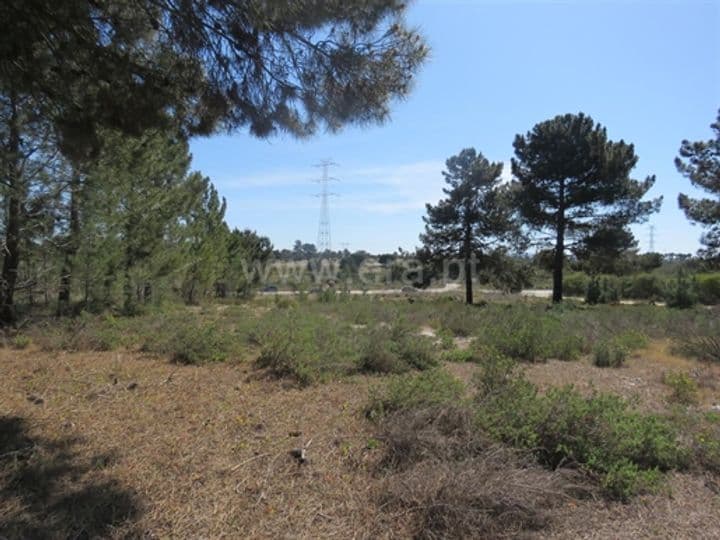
{"type": "Point", "coordinates": [132, 386]}
{"type": "Point", "coordinates": [299, 454]}
{"type": "Point", "coordinates": [37, 400]}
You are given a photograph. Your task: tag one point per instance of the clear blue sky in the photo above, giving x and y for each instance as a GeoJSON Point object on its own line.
{"type": "Point", "coordinates": [648, 70]}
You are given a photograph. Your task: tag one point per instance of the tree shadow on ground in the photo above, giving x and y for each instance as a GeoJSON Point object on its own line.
{"type": "Point", "coordinates": [48, 489]}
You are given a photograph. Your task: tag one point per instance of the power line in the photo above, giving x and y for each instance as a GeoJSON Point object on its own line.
{"type": "Point", "coordinates": [324, 242]}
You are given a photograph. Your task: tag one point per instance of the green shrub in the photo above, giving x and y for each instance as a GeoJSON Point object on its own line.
{"type": "Point", "coordinates": [708, 288]}
{"type": "Point", "coordinates": [684, 388]}
{"type": "Point", "coordinates": [21, 341]}
{"type": "Point", "coordinates": [305, 347]}
{"type": "Point", "coordinates": [609, 353]}
{"type": "Point", "coordinates": [527, 334]}
{"type": "Point", "coordinates": [643, 287]}
{"type": "Point", "coordinates": [631, 340]}
{"type": "Point", "coordinates": [603, 291]}
{"type": "Point", "coordinates": [409, 391]}
{"type": "Point", "coordinates": [458, 355]}
{"type": "Point", "coordinates": [395, 349]}
{"type": "Point", "coordinates": [624, 448]}
{"type": "Point", "coordinates": [681, 292]}
{"type": "Point", "coordinates": [625, 479]}
{"type": "Point", "coordinates": [575, 283]}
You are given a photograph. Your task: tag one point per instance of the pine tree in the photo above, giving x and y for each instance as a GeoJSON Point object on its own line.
{"type": "Point", "coordinates": [204, 238]}
{"type": "Point", "coordinates": [473, 218]}
{"type": "Point", "coordinates": [130, 65]}
{"type": "Point", "coordinates": [572, 182]}
{"type": "Point", "coordinates": [700, 163]}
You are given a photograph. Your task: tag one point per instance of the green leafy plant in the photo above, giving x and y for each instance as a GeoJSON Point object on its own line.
{"type": "Point", "coordinates": [684, 388]}
{"type": "Point", "coordinates": [401, 392]}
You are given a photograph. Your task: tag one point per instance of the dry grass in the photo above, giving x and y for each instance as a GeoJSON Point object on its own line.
{"type": "Point", "coordinates": [118, 445]}
{"type": "Point", "coordinates": [176, 451]}
{"type": "Point", "coordinates": [451, 482]}
{"type": "Point", "coordinates": [640, 378]}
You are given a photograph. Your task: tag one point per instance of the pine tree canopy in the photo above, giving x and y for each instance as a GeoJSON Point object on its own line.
{"type": "Point", "coordinates": [290, 65]}
{"type": "Point", "coordinates": [572, 181]}
{"type": "Point", "coordinates": [700, 163]}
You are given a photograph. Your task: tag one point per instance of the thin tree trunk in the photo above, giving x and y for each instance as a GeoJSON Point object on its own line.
{"type": "Point", "coordinates": [13, 218]}
{"type": "Point", "coordinates": [71, 246]}
{"type": "Point", "coordinates": [559, 249]}
{"type": "Point", "coordinates": [468, 269]}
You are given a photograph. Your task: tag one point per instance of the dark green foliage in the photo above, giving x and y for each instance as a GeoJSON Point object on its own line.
{"type": "Point", "coordinates": [473, 219]}
{"type": "Point", "coordinates": [600, 433]}
{"type": "Point", "coordinates": [643, 287]}
{"type": "Point", "coordinates": [708, 288]}
{"type": "Point", "coordinates": [574, 182]}
{"type": "Point", "coordinates": [681, 292]}
{"type": "Point", "coordinates": [603, 290]}
{"type": "Point", "coordinates": [576, 284]}
{"type": "Point", "coordinates": [700, 163]}
{"type": "Point", "coordinates": [271, 66]}
{"type": "Point", "coordinates": [609, 353]}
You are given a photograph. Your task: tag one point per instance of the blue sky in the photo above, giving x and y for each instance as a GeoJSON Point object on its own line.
{"type": "Point", "coordinates": [647, 70]}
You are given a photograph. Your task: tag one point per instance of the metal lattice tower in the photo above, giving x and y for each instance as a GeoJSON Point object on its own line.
{"type": "Point", "coordinates": [324, 241]}
{"type": "Point", "coordinates": [652, 238]}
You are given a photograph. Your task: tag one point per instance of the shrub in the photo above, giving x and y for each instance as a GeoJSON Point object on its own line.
{"type": "Point", "coordinates": [681, 292]}
{"type": "Point", "coordinates": [684, 388]}
{"type": "Point", "coordinates": [21, 341]}
{"type": "Point", "coordinates": [643, 287]}
{"type": "Point", "coordinates": [609, 353]}
{"type": "Point", "coordinates": [575, 283]}
{"type": "Point", "coordinates": [702, 347]}
{"type": "Point", "coordinates": [603, 291]}
{"type": "Point", "coordinates": [708, 288]}
{"type": "Point", "coordinates": [395, 349]}
{"type": "Point", "coordinates": [458, 355]}
{"type": "Point", "coordinates": [600, 433]}
{"type": "Point", "coordinates": [306, 348]}
{"type": "Point", "coordinates": [409, 391]}
{"type": "Point", "coordinates": [631, 340]}
{"type": "Point", "coordinates": [524, 333]}
{"type": "Point", "coordinates": [201, 343]}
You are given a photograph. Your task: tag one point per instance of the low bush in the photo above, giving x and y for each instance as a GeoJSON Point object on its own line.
{"type": "Point", "coordinates": [600, 433]}
{"type": "Point", "coordinates": [703, 347]}
{"type": "Point", "coordinates": [526, 334]}
{"type": "Point", "coordinates": [411, 391]}
{"type": "Point", "coordinates": [708, 288]}
{"type": "Point", "coordinates": [21, 341]}
{"type": "Point", "coordinates": [307, 348]}
{"type": "Point", "coordinates": [681, 292]}
{"type": "Point", "coordinates": [603, 291]}
{"type": "Point", "coordinates": [395, 349]}
{"type": "Point", "coordinates": [576, 283]}
{"type": "Point", "coordinates": [189, 341]}
{"type": "Point", "coordinates": [684, 388]}
{"type": "Point", "coordinates": [609, 353]}
{"type": "Point", "coordinates": [459, 355]}
{"type": "Point", "coordinates": [643, 287]}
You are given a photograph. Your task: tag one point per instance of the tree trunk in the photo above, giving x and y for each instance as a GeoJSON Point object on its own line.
{"type": "Point", "coordinates": [13, 218]}
{"type": "Point", "coordinates": [468, 270]}
{"type": "Point", "coordinates": [557, 295]}
{"type": "Point", "coordinates": [71, 246]}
